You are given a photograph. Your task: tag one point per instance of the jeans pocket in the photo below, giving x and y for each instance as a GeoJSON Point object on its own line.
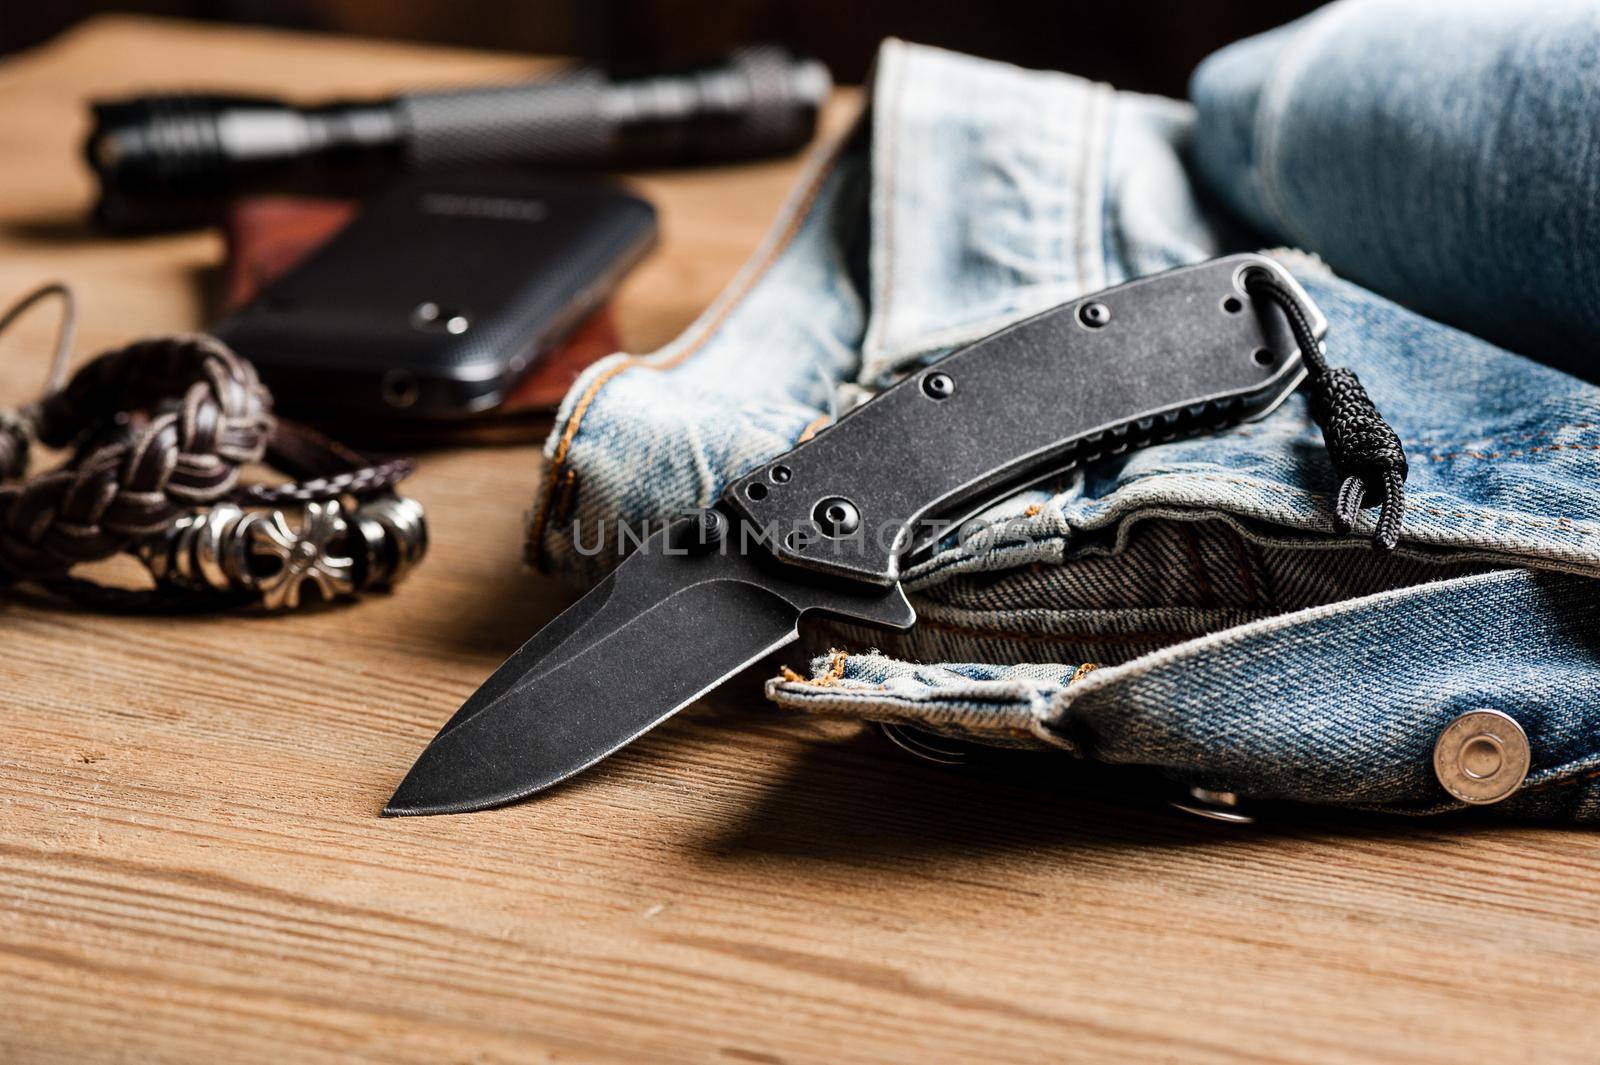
{"type": "Point", "coordinates": [1339, 702]}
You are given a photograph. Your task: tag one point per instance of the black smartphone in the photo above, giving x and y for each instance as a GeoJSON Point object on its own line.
{"type": "Point", "coordinates": [439, 296]}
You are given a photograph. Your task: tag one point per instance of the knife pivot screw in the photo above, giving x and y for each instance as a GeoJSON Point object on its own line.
{"type": "Point", "coordinates": [704, 530]}
{"type": "Point", "coordinates": [713, 527]}
{"type": "Point", "coordinates": [938, 385]}
{"type": "Point", "coordinates": [836, 516]}
{"type": "Point", "coordinates": [1094, 314]}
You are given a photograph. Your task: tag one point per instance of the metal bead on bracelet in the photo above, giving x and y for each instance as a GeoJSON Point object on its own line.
{"type": "Point", "coordinates": [328, 547]}
{"type": "Point", "coordinates": [157, 435]}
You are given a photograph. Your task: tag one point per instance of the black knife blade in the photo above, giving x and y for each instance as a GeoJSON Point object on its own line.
{"type": "Point", "coordinates": [823, 528]}
{"type": "Point", "coordinates": [667, 626]}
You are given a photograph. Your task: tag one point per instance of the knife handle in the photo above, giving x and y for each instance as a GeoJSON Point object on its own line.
{"type": "Point", "coordinates": [1162, 357]}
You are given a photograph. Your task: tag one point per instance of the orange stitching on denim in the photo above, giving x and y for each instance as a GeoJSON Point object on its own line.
{"type": "Point", "coordinates": [834, 674]}
{"type": "Point", "coordinates": [1440, 438]}
{"type": "Point", "coordinates": [816, 426]}
{"type": "Point", "coordinates": [560, 508]}
{"type": "Point", "coordinates": [1058, 639]}
{"type": "Point", "coordinates": [1512, 454]}
{"type": "Point", "coordinates": [1538, 434]}
{"type": "Point", "coordinates": [790, 231]}
{"type": "Point", "coordinates": [1554, 523]}
{"type": "Point", "coordinates": [1083, 671]}
{"type": "Point", "coordinates": [569, 491]}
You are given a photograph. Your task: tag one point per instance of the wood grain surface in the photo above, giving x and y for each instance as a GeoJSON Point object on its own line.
{"type": "Point", "coordinates": [192, 868]}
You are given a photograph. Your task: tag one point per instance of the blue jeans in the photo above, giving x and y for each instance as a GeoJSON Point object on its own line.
{"type": "Point", "coordinates": [1191, 607]}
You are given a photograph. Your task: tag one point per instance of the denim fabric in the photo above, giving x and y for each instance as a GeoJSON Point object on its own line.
{"type": "Point", "coordinates": [1316, 706]}
{"type": "Point", "coordinates": [1239, 641]}
{"type": "Point", "coordinates": [1441, 153]}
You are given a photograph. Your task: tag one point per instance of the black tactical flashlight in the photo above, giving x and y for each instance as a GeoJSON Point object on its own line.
{"type": "Point", "coordinates": [173, 161]}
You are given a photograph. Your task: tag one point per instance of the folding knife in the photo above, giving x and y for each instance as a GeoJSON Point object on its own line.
{"type": "Point", "coordinates": [824, 528]}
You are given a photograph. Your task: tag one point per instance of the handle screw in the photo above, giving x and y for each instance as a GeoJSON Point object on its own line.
{"type": "Point", "coordinates": [1094, 314]}
{"type": "Point", "coordinates": [938, 386]}
{"type": "Point", "coordinates": [836, 516]}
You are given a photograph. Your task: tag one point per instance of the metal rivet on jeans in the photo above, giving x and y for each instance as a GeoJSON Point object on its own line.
{"type": "Point", "coordinates": [1213, 805]}
{"type": "Point", "coordinates": [1482, 756]}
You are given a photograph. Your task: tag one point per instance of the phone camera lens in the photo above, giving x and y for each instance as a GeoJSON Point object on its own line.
{"type": "Point", "coordinates": [431, 317]}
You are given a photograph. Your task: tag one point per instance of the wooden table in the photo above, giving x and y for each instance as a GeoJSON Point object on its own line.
{"type": "Point", "coordinates": [192, 868]}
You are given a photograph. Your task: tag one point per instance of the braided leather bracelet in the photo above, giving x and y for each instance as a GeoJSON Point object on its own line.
{"type": "Point", "coordinates": [159, 433]}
